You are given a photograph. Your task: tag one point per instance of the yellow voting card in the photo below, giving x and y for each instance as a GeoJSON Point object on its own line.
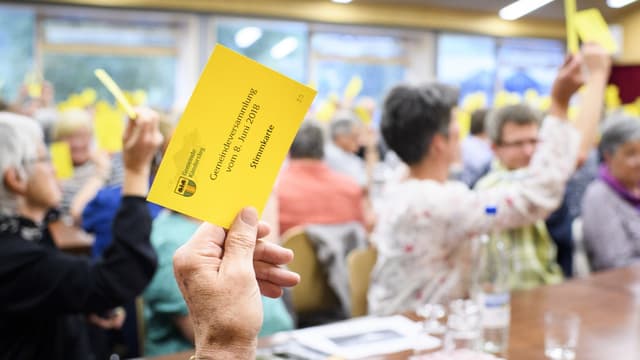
{"type": "Point", "coordinates": [592, 27]}
{"type": "Point", "coordinates": [231, 140]}
{"type": "Point", "coordinates": [61, 159]}
{"type": "Point", "coordinates": [570, 19]}
{"type": "Point", "coordinates": [109, 124]}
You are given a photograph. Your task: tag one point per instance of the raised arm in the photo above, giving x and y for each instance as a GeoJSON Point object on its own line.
{"type": "Point", "coordinates": [58, 283]}
{"type": "Point", "coordinates": [537, 190]}
{"type": "Point", "coordinates": [597, 65]}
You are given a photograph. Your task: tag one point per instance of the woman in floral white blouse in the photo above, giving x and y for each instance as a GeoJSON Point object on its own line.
{"type": "Point", "coordinates": [426, 221]}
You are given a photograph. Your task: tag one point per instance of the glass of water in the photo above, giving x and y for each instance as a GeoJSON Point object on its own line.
{"type": "Point", "coordinates": [561, 330]}
{"type": "Point", "coordinates": [464, 326]}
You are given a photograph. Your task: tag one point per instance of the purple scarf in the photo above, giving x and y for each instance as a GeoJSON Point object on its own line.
{"type": "Point", "coordinates": [615, 185]}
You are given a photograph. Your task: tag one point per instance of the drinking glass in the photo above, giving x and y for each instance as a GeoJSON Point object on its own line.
{"type": "Point", "coordinates": [464, 326]}
{"type": "Point", "coordinates": [561, 332]}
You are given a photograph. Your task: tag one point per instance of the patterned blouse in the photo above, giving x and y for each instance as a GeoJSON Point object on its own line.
{"type": "Point", "coordinates": [425, 227]}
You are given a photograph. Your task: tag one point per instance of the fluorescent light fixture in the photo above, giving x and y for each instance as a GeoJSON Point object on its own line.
{"type": "Point", "coordinates": [341, 1]}
{"type": "Point", "coordinates": [246, 36]}
{"type": "Point", "coordinates": [521, 8]}
{"type": "Point", "coordinates": [619, 3]}
{"type": "Point", "coordinates": [285, 47]}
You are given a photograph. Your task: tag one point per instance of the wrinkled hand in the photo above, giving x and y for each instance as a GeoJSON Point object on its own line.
{"type": "Point", "coordinates": [141, 140]}
{"type": "Point", "coordinates": [597, 60]}
{"type": "Point", "coordinates": [221, 277]}
{"type": "Point", "coordinates": [113, 322]}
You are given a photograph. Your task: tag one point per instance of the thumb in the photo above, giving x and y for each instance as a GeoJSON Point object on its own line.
{"type": "Point", "coordinates": [241, 239]}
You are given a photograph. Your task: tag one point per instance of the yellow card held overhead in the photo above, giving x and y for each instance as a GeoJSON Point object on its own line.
{"type": "Point", "coordinates": [591, 27]}
{"type": "Point", "coordinates": [231, 140]}
{"type": "Point", "coordinates": [570, 19]}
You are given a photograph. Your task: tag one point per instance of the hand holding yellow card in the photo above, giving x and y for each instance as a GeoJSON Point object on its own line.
{"type": "Point", "coordinates": [61, 159]}
{"type": "Point", "coordinates": [114, 89]}
{"type": "Point", "coordinates": [591, 27]}
{"type": "Point", "coordinates": [231, 140]}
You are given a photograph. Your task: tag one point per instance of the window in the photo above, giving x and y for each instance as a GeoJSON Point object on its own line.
{"type": "Point", "coordinates": [380, 61]}
{"type": "Point", "coordinates": [528, 64]}
{"type": "Point", "coordinates": [17, 36]}
{"type": "Point", "coordinates": [138, 54]}
{"type": "Point", "coordinates": [467, 61]}
{"type": "Point", "coordinates": [279, 45]}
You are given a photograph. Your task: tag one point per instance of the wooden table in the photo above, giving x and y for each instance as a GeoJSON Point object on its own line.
{"type": "Point", "coordinates": [608, 304]}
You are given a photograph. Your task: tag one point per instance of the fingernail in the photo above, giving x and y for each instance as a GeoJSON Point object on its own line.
{"type": "Point", "coordinates": [250, 216]}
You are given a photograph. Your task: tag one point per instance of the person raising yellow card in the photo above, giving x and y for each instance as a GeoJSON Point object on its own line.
{"type": "Point", "coordinates": [231, 140]}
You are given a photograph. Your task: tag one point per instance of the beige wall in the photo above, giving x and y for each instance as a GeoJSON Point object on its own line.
{"type": "Point", "coordinates": [631, 37]}
{"type": "Point", "coordinates": [354, 13]}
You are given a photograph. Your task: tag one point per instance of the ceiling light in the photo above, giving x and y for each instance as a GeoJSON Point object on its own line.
{"type": "Point", "coordinates": [521, 8]}
{"type": "Point", "coordinates": [619, 3]}
{"type": "Point", "coordinates": [285, 47]}
{"type": "Point", "coordinates": [341, 1]}
{"type": "Point", "coordinates": [246, 36]}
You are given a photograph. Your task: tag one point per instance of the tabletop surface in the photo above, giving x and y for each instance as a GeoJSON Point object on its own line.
{"type": "Point", "coordinates": [608, 304]}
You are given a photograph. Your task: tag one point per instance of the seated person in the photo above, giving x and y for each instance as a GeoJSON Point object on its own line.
{"type": "Point", "coordinates": [217, 271]}
{"type": "Point", "coordinates": [340, 152]}
{"type": "Point", "coordinates": [611, 205]}
{"type": "Point", "coordinates": [513, 131]}
{"type": "Point", "coordinates": [91, 167]}
{"type": "Point", "coordinates": [309, 192]}
{"type": "Point", "coordinates": [424, 232]}
{"type": "Point", "coordinates": [45, 294]}
{"type": "Point", "coordinates": [168, 324]}
{"type": "Point", "coordinates": [476, 150]}
{"type": "Point", "coordinates": [96, 219]}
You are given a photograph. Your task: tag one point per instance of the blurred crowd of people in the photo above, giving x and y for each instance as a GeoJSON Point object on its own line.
{"type": "Point", "coordinates": [411, 183]}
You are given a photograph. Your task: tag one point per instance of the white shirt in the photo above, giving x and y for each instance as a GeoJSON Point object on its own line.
{"type": "Point", "coordinates": [424, 229]}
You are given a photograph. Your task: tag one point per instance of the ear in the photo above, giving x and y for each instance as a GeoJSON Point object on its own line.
{"type": "Point", "coordinates": [438, 144]}
{"type": "Point", "coordinates": [14, 181]}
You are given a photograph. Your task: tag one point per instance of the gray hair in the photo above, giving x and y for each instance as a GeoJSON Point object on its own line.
{"type": "Point", "coordinates": [618, 130]}
{"type": "Point", "coordinates": [308, 143]}
{"type": "Point", "coordinates": [342, 124]}
{"type": "Point", "coordinates": [19, 139]}
{"type": "Point", "coordinates": [521, 114]}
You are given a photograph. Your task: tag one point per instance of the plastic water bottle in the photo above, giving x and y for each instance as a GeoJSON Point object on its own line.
{"type": "Point", "coordinates": [491, 290]}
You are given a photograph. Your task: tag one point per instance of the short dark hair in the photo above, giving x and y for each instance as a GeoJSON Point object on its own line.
{"type": "Point", "coordinates": [308, 143]}
{"type": "Point", "coordinates": [478, 118]}
{"type": "Point", "coordinates": [521, 114]}
{"type": "Point", "coordinates": [412, 115]}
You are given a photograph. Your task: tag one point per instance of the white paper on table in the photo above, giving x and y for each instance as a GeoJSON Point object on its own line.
{"type": "Point", "coordinates": [364, 337]}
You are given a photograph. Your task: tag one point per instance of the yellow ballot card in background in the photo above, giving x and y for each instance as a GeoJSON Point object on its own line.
{"type": "Point", "coordinates": [592, 27]}
{"type": "Point", "coordinates": [231, 140]}
{"type": "Point", "coordinates": [570, 19]}
{"type": "Point", "coordinates": [61, 159]}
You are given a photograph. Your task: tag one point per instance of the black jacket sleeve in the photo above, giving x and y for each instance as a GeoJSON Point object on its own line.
{"type": "Point", "coordinates": [37, 279]}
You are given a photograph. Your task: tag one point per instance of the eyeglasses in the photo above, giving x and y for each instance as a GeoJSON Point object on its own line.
{"type": "Point", "coordinates": [520, 143]}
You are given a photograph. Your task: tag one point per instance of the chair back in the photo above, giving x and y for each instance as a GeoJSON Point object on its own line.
{"type": "Point", "coordinates": [312, 294]}
{"type": "Point", "coordinates": [360, 263]}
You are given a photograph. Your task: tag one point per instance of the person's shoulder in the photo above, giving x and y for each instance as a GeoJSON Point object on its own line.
{"type": "Point", "coordinates": [342, 181]}
{"type": "Point", "coordinates": [17, 251]}
{"type": "Point", "coordinates": [597, 191]}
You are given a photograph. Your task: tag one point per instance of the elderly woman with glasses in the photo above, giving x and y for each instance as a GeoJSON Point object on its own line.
{"type": "Point", "coordinates": [45, 294]}
{"type": "Point", "coordinates": [611, 206]}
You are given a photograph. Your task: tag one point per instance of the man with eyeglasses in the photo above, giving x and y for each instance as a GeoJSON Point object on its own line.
{"type": "Point", "coordinates": [514, 133]}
